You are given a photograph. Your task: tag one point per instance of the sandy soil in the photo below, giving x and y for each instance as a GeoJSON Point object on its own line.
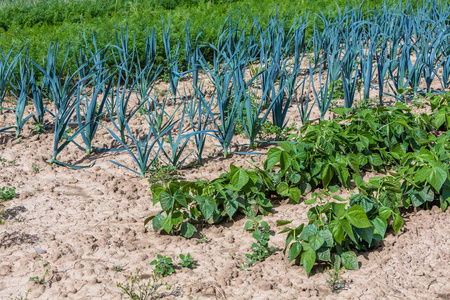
{"type": "Point", "coordinates": [82, 223]}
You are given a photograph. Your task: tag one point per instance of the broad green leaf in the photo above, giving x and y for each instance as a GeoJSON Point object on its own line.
{"type": "Point", "coordinates": [308, 231]}
{"type": "Point", "coordinates": [339, 198]}
{"type": "Point", "coordinates": [308, 258]}
{"type": "Point", "coordinates": [177, 218]}
{"type": "Point", "coordinates": [437, 178]}
{"type": "Point", "coordinates": [422, 174]}
{"type": "Point", "coordinates": [367, 234]}
{"type": "Point", "coordinates": [357, 179]}
{"type": "Point", "coordinates": [380, 226]}
{"type": "Point", "coordinates": [324, 254]}
{"type": "Point", "coordinates": [285, 162]}
{"type": "Point", "coordinates": [348, 229]}
{"type": "Point", "coordinates": [295, 194]}
{"type": "Point", "coordinates": [248, 225]}
{"type": "Point", "coordinates": [328, 237]}
{"type": "Point", "coordinates": [337, 230]}
{"type": "Point", "coordinates": [283, 189]}
{"type": "Point", "coordinates": [148, 220]}
{"type": "Point", "coordinates": [180, 198]}
{"type": "Point", "coordinates": [239, 178]}
{"type": "Point", "coordinates": [283, 222]}
{"type": "Point", "coordinates": [166, 201]}
{"type": "Point", "coordinates": [187, 229]}
{"type": "Point", "coordinates": [156, 223]}
{"type": "Point", "coordinates": [358, 217]}
{"type": "Point", "coordinates": [384, 212]}
{"type": "Point", "coordinates": [156, 190]}
{"type": "Point", "coordinates": [349, 260]}
{"type": "Point", "coordinates": [166, 223]}
{"type": "Point", "coordinates": [375, 160]}
{"type": "Point", "coordinates": [326, 174]}
{"type": "Point", "coordinates": [316, 241]}
{"type": "Point", "coordinates": [338, 209]}
{"type": "Point", "coordinates": [294, 251]}
{"type": "Point", "coordinates": [398, 223]}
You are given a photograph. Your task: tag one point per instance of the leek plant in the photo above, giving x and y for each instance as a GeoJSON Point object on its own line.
{"type": "Point", "coordinates": [6, 70]}
{"type": "Point", "coordinates": [144, 147]}
{"type": "Point", "coordinates": [147, 74]}
{"type": "Point", "coordinates": [38, 100]}
{"type": "Point", "coordinates": [323, 94]}
{"type": "Point", "coordinates": [172, 60]}
{"type": "Point", "coordinates": [382, 66]}
{"type": "Point", "coordinates": [367, 52]}
{"type": "Point", "coordinates": [66, 97]}
{"type": "Point", "coordinates": [192, 55]}
{"type": "Point", "coordinates": [349, 73]}
{"type": "Point", "coordinates": [200, 114]}
{"type": "Point", "coordinates": [20, 91]}
{"type": "Point", "coordinates": [92, 110]}
{"type": "Point", "coordinates": [177, 143]}
{"type": "Point", "coordinates": [125, 57]}
{"type": "Point", "coordinates": [121, 98]}
{"type": "Point", "coordinates": [429, 49]}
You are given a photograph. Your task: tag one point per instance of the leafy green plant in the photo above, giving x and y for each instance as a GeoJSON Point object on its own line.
{"type": "Point", "coordinates": [118, 268]}
{"type": "Point", "coordinates": [160, 173]}
{"type": "Point", "coordinates": [163, 266]}
{"type": "Point", "coordinates": [41, 280]}
{"type": "Point", "coordinates": [187, 261]}
{"type": "Point", "coordinates": [7, 194]}
{"type": "Point", "coordinates": [36, 169]}
{"type": "Point", "coordinates": [260, 248]}
{"type": "Point", "coordinates": [335, 281]}
{"type": "Point", "coordinates": [334, 229]}
{"type": "Point", "coordinates": [186, 203]}
{"type": "Point", "coordinates": [203, 238]}
{"type": "Point", "coordinates": [23, 298]}
{"type": "Point", "coordinates": [136, 289]}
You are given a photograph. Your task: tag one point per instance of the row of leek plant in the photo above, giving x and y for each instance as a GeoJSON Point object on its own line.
{"type": "Point", "coordinates": [340, 52]}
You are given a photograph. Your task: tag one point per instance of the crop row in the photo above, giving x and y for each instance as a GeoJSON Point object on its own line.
{"type": "Point", "coordinates": [400, 53]}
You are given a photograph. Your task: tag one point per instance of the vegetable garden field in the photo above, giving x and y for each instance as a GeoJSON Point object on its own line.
{"type": "Point", "coordinates": [282, 154]}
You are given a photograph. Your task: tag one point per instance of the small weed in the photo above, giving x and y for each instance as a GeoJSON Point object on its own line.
{"type": "Point", "coordinates": [39, 128]}
{"type": "Point", "coordinates": [23, 298]}
{"type": "Point", "coordinates": [36, 169]}
{"type": "Point", "coordinates": [161, 174]}
{"type": "Point", "coordinates": [260, 248]}
{"type": "Point", "coordinates": [7, 194]}
{"type": "Point", "coordinates": [203, 239]}
{"type": "Point", "coordinates": [118, 269]}
{"type": "Point", "coordinates": [269, 129]}
{"type": "Point", "coordinates": [136, 289]}
{"type": "Point", "coordinates": [163, 266]}
{"type": "Point", "coordinates": [187, 261]}
{"type": "Point", "coordinates": [40, 280]}
{"type": "Point", "coordinates": [336, 282]}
